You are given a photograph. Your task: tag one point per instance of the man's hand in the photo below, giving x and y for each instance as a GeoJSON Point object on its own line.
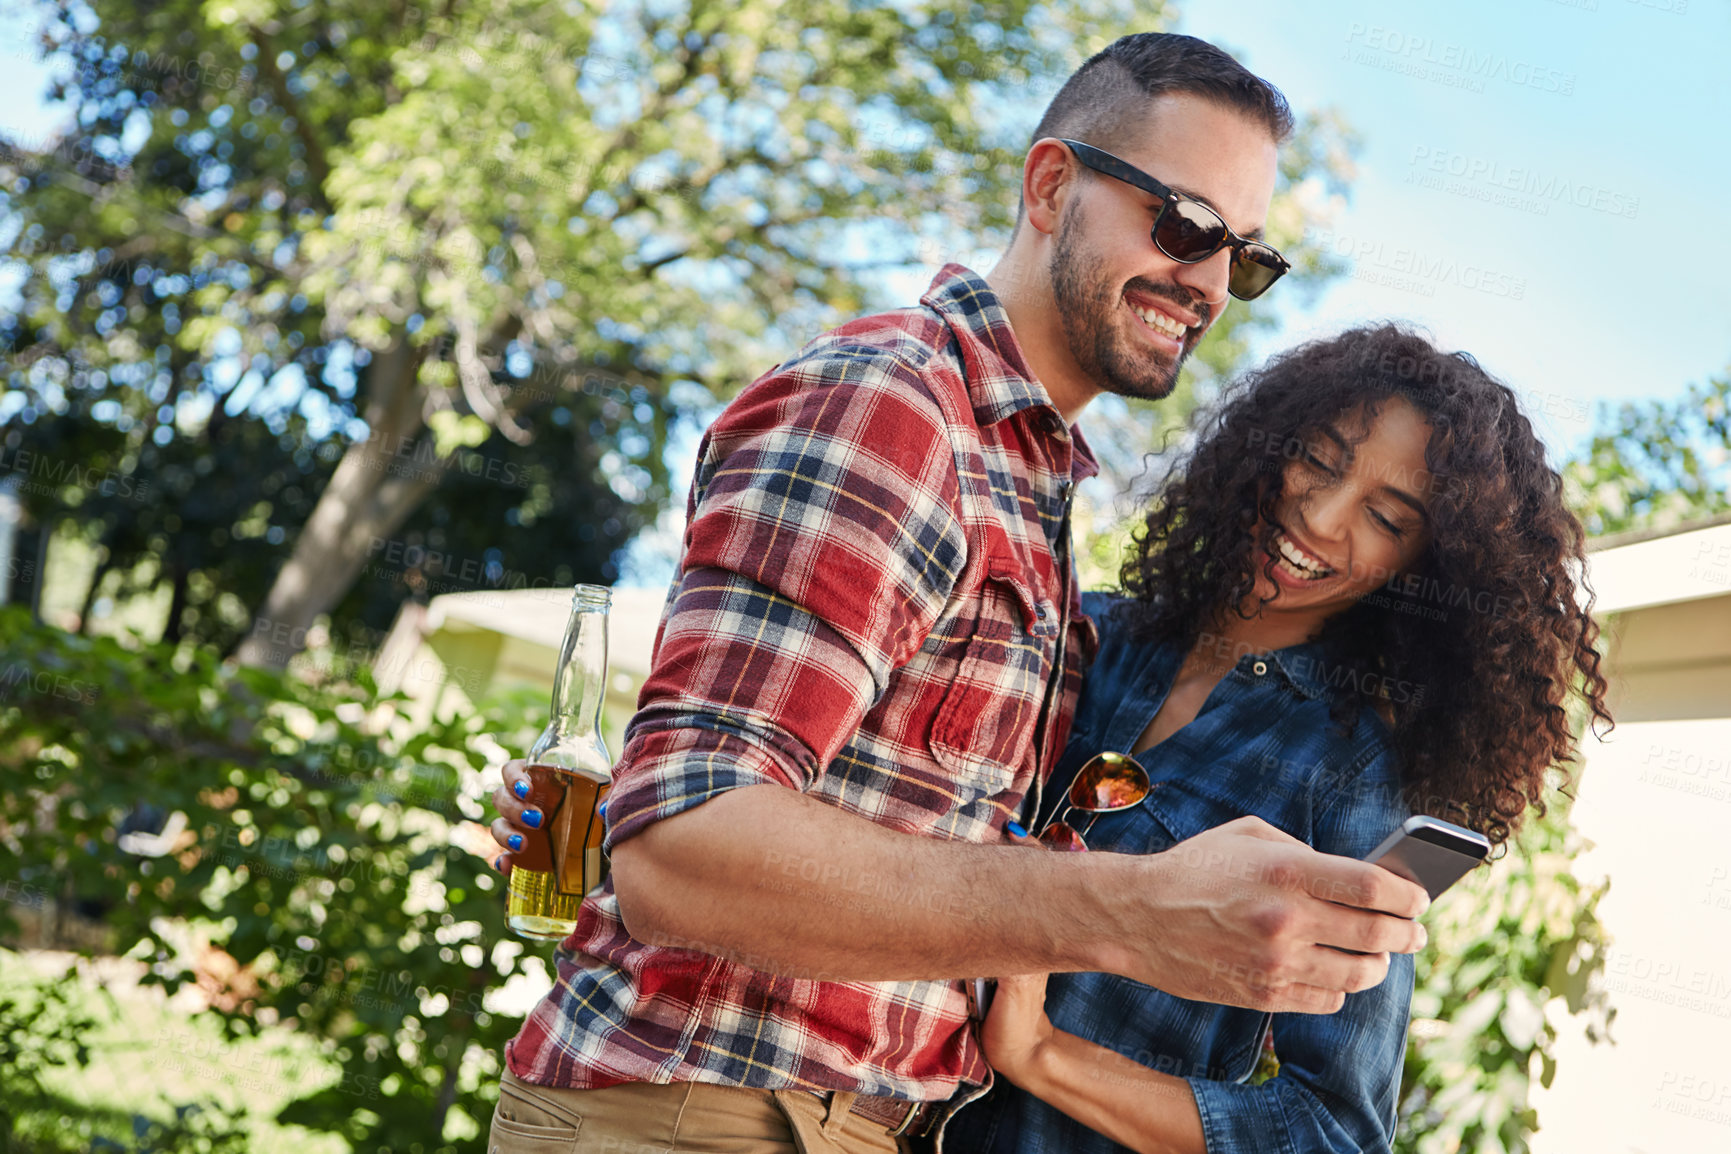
{"type": "Point", "coordinates": [1244, 915]}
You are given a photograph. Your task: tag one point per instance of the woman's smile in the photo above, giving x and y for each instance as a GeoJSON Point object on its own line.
{"type": "Point", "coordinates": [1298, 563]}
{"type": "Point", "coordinates": [1347, 518]}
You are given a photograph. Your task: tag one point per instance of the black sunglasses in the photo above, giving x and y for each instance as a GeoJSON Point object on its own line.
{"type": "Point", "coordinates": [1189, 231]}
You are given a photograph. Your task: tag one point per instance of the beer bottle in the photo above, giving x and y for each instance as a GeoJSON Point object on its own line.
{"type": "Point", "coordinates": [562, 861]}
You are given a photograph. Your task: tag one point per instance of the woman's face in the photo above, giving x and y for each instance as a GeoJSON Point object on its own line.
{"type": "Point", "coordinates": [1354, 512]}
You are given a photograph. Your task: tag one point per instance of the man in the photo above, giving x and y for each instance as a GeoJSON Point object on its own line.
{"type": "Point", "coordinates": [868, 665]}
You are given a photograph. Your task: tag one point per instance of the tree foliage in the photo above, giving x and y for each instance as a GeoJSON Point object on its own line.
{"type": "Point", "coordinates": [1656, 464]}
{"type": "Point", "coordinates": [476, 233]}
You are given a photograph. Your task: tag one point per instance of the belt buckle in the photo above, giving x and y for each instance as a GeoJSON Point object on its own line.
{"type": "Point", "coordinates": [923, 1115]}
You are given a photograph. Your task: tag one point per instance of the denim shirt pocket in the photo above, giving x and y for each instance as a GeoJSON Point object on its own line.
{"type": "Point", "coordinates": [1227, 1039]}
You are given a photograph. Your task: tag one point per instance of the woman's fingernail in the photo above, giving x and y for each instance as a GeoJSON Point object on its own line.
{"type": "Point", "coordinates": [499, 863]}
{"type": "Point", "coordinates": [601, 809]}
{"type": "Point", "coordinates": [532, 818]}
{"type": "Point", "coordinates": [1016, 829]}
{"type": "Point", "coordinates": [521, 789]}
{"type": "Point", "coordinates": [515, 841]}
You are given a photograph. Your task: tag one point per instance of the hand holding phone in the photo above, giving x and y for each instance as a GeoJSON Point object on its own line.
{"type": "Point", "coordinates": [1430, 852]}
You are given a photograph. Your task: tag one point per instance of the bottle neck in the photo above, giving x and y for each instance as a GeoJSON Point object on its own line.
{"type": "Point", "coordinates": [580, 684]}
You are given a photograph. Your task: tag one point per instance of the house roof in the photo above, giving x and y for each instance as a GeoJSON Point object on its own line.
{"type": "Point", "coordinates": [1636, 570]}
{"type": "Point", "coordinates": [538, 617]}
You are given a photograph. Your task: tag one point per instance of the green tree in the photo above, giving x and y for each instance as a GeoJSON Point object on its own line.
{"type": "Point", "coordinates": [1656, 464]}
{"type": "Point", "coordinates": [329, 852]}
{"type": "Point", "coordinates": [418, 227]}
{"type": "Point", "coordinates": [184, 413]}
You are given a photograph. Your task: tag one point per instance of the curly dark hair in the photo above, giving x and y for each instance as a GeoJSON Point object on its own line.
{"type": "Point", "coordinates": [1489, 625]}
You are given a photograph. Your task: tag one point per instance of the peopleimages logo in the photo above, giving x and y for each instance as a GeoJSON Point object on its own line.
{"type": "Point", "coordinates": [1414, 270]}
{"type": "Point", "coordinates": [1455, 65]}
{"type": "Point", "coordinates": [46, 475]}
{"type": "Point", "coordinates": [1668, 980]}
{"type": "Point", "coordinates": [17, 678]}
{"type": "Point", "coordinates": [1514, 186]}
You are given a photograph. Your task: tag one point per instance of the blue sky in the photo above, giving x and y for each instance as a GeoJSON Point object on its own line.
{"type": "Point", "coordinates": [1626, 297]}
{"type": "Point", "coordinates": [1537, 184]}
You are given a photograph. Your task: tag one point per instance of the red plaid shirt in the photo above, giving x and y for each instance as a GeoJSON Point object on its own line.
{"type": "Point", "coordinates": [875, 579]}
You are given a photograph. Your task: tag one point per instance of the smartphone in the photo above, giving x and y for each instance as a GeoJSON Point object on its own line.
{"type": "Point", "coordinates": [1430, 852]}
{"type": "Point", "coordinates": [980, 992]}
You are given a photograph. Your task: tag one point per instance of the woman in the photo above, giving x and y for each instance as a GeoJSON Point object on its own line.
{"type": "Point", "coordinates": [1356, 601]}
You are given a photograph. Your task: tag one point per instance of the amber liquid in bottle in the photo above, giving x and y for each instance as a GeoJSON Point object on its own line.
{"type": "Point", "coordinates": [562, 861]}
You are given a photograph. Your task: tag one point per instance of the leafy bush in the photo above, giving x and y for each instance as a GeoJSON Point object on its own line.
{"type": "Point", "coordinates": [46, 1027]}
{"type": "Point", "coordinates": [323, 856]}
{"type": "Point", "coordinates": [40, 1031]}
{"type": "Point", "coordinates": [1511, 946]}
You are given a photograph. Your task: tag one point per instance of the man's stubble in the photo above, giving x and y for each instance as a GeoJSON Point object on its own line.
{"type": "Point", "coordinates": [1087, 304]}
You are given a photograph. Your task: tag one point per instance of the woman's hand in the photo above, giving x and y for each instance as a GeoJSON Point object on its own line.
{"type": "Point", "coordinates": [520, 829]}
{"type": "Point", "coordinates": [1017, 1026]}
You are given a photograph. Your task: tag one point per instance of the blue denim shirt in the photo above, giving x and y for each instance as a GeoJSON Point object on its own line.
{"type": "Point", "coordinates": [1263, 743]}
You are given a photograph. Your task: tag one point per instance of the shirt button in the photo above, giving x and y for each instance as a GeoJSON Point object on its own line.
{"type": "Point", "coordinates": [1259, 668]}
{"type": "Point", "coordinates": [1040, 612]}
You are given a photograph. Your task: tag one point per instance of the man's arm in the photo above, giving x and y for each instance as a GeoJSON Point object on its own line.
{"type": "Point", "coordinates": [790, 885]}
{"type": "Point", "coordinates": [824, 542]}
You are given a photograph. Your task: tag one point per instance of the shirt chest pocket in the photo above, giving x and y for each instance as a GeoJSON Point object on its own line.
{"type": "Point", "coordinates": [1174, 811]}
{"type": "Point", "coordinates": [985, 728]}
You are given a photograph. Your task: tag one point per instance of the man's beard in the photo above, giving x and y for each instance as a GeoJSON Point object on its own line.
{"type": "Point", "coordinates": [1087, 306]}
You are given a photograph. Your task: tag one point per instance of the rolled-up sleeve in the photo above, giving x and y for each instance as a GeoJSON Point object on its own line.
{"type": "Point", "coordinates": [1340, 1073]}
{"type": "Point", "coordinates": [823, 542]}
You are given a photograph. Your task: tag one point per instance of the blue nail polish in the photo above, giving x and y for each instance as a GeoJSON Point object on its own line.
{"type": "Point", "coordinates": [532, 818]}
{"type": "Point", "coordinates": [601, 809]}
{"type": "Point", "coordinates": [499, 863]}
{"type": "Point", "coordinates": [1016, 829]}
{"type": "Point", "coordinates": [515, 841]}
{"type": "Point", "coordinates": [521, 789]}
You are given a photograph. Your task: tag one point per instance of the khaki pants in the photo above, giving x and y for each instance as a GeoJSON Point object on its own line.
{"type": "Point", "coordinates": [642, 1118]}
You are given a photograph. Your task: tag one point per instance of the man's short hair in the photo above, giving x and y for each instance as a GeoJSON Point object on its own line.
{"type": "Point", "coordinates": [1104, 101]}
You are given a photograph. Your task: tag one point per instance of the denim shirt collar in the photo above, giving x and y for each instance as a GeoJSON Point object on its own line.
{"type": "Point", "coordinates": [1302, 666]}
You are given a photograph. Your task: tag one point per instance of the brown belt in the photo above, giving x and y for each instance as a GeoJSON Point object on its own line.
{"type": "Point", "coordinates": [897, 1115]}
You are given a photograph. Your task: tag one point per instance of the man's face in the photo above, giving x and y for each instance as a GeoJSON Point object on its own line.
{"type": "Point", "coordinates": [1130, 313]}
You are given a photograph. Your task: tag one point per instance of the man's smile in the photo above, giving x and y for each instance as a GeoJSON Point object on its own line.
{"type": "Point", "coordinates": [1162, 318]}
